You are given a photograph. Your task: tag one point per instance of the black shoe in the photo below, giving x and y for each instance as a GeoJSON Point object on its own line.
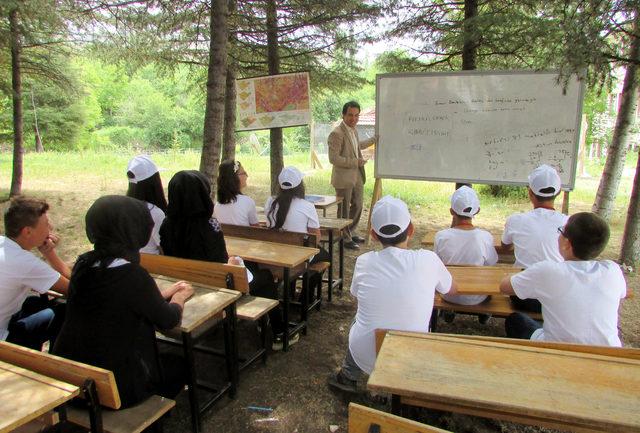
{"type": "Point", "coordinates": [350, 245]}
{"type": "Point", "coordinates": [483, 318]}
{"type": "Point", "coordinates": [448, 316]}
{"type": "Point", "coordinates": [358, 239]}
{"type": "Point", "coordinates": [337, 382]}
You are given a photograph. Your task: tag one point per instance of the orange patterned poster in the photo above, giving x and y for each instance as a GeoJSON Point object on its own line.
{"type": "Point", "coordinates": [273, 101]}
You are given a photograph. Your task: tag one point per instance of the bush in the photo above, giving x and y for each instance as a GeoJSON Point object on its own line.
{"type": "Point", "coordinates": [504, 191]}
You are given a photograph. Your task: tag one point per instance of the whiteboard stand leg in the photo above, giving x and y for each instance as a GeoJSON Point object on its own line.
{"type": "Point", "coordinates": [377, 193]}
{"type": "Point", "coordinates": [565, 203]}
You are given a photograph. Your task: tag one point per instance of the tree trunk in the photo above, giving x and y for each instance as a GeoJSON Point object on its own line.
{"type": "Point", "coordinates": [617, 150]}
{"type": "Point", "coordinates": [273, 59]}
{"type": "Point", "coordinates": [16, 83]}
{"type": "Point", "coordinates": [36, 130]}
{"type": "Point", "coordinates": [229, 139]}
{"type": "Point", "coordinates": [470, 47]}
{"type": "Point", "coordinates": [630, 251]}
{"type": "Point", "coordinates": [216, 82]}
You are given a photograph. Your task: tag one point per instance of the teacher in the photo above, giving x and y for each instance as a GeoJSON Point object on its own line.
{"type": "Point", "coordinates": [347, 175]}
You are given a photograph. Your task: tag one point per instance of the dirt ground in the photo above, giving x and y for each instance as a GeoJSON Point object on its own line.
{"type": "Point", "coordinates": [293, 384]}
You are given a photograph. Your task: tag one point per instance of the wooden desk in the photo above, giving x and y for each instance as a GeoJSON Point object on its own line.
{"type": "Point", "coordinates": [326, 202]}
{"type": "Point", "coordinates": [288, 257]}
{"type": "Point", "coordinates": [199, 311]}
{"type": "Point", "coordinates": [531, 385]}
{"type": "Point", "coordinates": [331, 229]}
{"type": "Point", "coordinates": [25, 395]}
{"type": "Point", "coordinates": [480, 280]}
{"type": "Point", "coordinates": [429, 239]}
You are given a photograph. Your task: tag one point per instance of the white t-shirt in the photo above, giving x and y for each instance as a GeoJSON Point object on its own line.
{"type": "Point", "coordinates": [580, 300]}
{"type": "Point", "coordinates": [534, 236]}
{"type": "Point", "coordinates": [20, 272]}
{"type": "Point", "coordinates": [465, 247]}
{"type": "Point", "coordinates": [395, 289]}
{"type": "Point", "coordinates": [241, 212]}
{"type": "Point", "coordinates": [153, 246]}
{"type": "Point", "coordinates": [302, 215]}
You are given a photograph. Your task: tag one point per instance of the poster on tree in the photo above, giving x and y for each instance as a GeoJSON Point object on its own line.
{"type": "Point", "coordinates": [273, 101]}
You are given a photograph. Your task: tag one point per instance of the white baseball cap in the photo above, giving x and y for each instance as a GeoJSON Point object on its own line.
{"type": "Point", "coordinates": [390, 211]}
{"type": "Point", "coordinates": [142, 167]}
{"type": "Point", "coordinates": [544, 177]}
{"type": "Point", "coordinates": [465, 202]}
{"type": "Point", "coordinates": [290, 177]}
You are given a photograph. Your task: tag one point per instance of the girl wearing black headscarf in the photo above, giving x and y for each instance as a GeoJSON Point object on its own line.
{"type": "Point", "coordinates": [114, 306]}
{"type": "Point", "coordinates": [191, 232]}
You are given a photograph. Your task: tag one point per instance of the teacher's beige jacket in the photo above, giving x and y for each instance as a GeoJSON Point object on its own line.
{"type": "Point", "coordinates": [343, 157]}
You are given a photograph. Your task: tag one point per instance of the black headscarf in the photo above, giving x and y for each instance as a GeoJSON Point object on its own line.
{"type": "Point", "coordinates": [189, 231]}
{"type": "Point", "coordinates": [118, 226]}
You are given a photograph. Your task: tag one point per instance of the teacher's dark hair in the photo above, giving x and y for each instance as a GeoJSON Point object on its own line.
{"type": "Point", "coordinates": [350, 104]}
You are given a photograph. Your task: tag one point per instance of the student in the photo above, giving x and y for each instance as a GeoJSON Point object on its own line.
{"type": "Point", "coordinates": [233, 207]}
{"type": "Point", "coordinates": [145, 184]}
{"type": "Point", "coordinates": [580, 296]}
{"type": "Point", "coordinates": [190, 231]}
{"type": "Point", "coordinates": [394, 288]}
{"type": "Point", "coordinates": [114, 305]}
{"type": "Point", "coordinates": [533, 235]}
{"type": "Point", "coordinates": [30, 320]}
{"type": "Point", "coordinates": [463, 244]}
{"type": "Point", "coordinates": [289, 211]}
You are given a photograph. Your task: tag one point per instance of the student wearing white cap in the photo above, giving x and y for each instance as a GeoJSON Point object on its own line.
{"type": "Point", "coordinates": [145, 184]}
{"type": "Point", "coordinates": [291, 212]}
{"type": "Point", "coordinates": [464, 244]}
{"type": "Point", "coordinates": [534, 235]}
{"type": "Point", "coordinates": [394, 287]}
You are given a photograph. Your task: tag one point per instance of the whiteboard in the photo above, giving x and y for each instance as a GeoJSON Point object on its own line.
{"type": "Point", "coordinates": [478, 127]}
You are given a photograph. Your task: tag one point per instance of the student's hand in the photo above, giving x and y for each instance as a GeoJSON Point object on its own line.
{"type": "Point", "coordinates": [183, 292]}
{"type": "Point", "coordinates": [235, 260]}
{"type": "Point", "coordinates": [49, 244]}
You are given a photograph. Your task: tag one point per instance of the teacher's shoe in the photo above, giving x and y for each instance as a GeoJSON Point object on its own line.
{"type": "Point", "coordinates": [357, 239]}
{"type": "Point", "coordinates": [350, 245]}
{"type": "Point", "coordinates": [338, 382]}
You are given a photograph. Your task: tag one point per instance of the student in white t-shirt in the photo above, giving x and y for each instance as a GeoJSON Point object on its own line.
{"type": "Point", "coordinates": [533, 235]}
{"type": "Point", "coordinates": [580, 296]}
{"type": "Point", "coordinates": [145, 184]}
{"type": "Point", "coordinates": [233, 207]}
{"type": "Point", "coordinates": [26, 319]}
{"type": "Point", "coordinates": [464, 244]}
{"type": "Point", "coordinates": [394, 288]}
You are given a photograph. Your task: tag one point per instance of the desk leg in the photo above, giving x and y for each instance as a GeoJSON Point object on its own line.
{"type": "Point", "coordinates": [341, 267]}
{"type": "Point", "coordinates": [396, 406]}
{"type": "Point", "coordinates": [329, 294]}
{"type": "Point", "coordinates": [231, 347]}
{"type": "Point", "coordinates": [285, 310]}
{"type": "Point", "coordinates": [192, 382]}
{"type": "Point", "coordinates": [304, 310]}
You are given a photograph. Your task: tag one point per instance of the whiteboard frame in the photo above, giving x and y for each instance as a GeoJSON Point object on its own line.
{"type": "Point", "coordinates": [578, 123]}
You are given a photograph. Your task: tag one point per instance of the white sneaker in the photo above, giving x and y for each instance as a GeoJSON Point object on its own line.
{"type": "Point", "coordinates": [278, 343]}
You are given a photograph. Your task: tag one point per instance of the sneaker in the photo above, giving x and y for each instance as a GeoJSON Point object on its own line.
{"type": "Point", "coordinates": [350, 245]}
{"type": "Point", "coordinates": [358, 239]}
{"type": "Point", "coordinates": [448, 316]}
{"type": "Point", "coordinates": [278, 343]}
{"type": "Point", "coordinates": [338, 382]}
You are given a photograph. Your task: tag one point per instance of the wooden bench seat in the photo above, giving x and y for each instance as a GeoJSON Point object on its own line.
{"type": "Point", "coordinates": [98, 388]}
{"type": "Point", "coordinates": [498, 306]}
{"type": "Point", "coordinates": [363, 419]}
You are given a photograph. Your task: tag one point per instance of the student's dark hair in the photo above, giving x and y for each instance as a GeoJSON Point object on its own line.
{"type": "Point", "coordinates": [23, 212]}
{"type": "Point", "coordinates": [283, 203]}
{"type": "Point", "coordinates": [149, 190]}
{"type": "Point", "coordinates": [392, 228]}
{"type": "Point", "coordinates": [546, 190]}
{"type": "Point", "coordinates": [228, 181]}
{"type": "Point", "coordinates": [350, 104]}
{"type": "Point", "coordinates": [588, 234]}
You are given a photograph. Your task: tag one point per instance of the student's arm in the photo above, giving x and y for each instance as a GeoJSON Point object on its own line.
{"type": "Point", "coordinates": [506, 287]}
{"type": "Point", "coordinates": [48, 251]}
{"type": "Point", "coordinates": [453, 290]}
